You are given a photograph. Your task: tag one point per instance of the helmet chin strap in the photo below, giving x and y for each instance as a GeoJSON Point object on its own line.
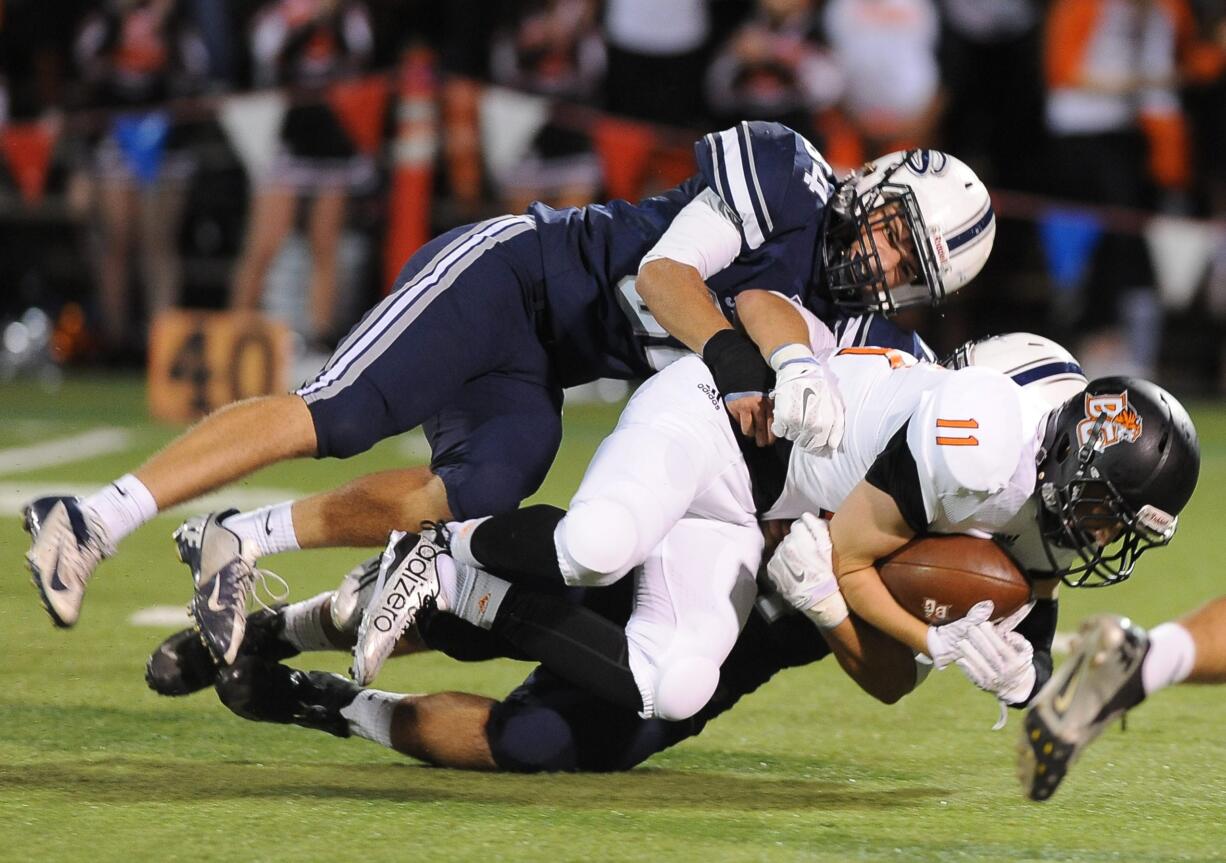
{"type": "Point", "coordinates": [1088, 448]}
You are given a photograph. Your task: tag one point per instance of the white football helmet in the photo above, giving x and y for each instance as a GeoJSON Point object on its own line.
{"type": "Point", "coordinates": [1034, 362]}
{"type": "Point", "coordinates": [937, 200]}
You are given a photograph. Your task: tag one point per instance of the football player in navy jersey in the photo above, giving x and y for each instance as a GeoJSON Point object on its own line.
{"type": "Point", "coordinates": [488, 322]}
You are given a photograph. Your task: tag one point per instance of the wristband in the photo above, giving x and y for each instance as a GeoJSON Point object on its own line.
{"type": "Point", "coordinates": [793, 353]}
{"type": "Point", "coordinates": [829, 612]}
{"type": "Point", "coordinates": [735, 363]}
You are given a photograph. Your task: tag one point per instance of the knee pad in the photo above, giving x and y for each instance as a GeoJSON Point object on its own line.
{"type": "Point", "coordinates": [684, 687]}
{"type": "Point", "coordinates": [596, 543]}
{"type": "Point", "coordinates": [530, 739]}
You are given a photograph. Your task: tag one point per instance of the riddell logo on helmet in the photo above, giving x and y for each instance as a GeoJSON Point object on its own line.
{"type": "Point", "coordinates": [1121, 422]}
{"type": "Point", "coordinates": [939, 248]}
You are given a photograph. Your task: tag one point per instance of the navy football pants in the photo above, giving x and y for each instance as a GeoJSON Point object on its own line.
{"type": "Point", "coordinates": [453, 348]}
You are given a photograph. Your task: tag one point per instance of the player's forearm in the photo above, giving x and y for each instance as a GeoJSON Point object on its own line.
{"type": "Point", "coordinates": [881, 666]}
{"type": "Point", "coordinates": [679, 300]}
{"type": "Point", "coordinates": [771, 321]}
{"type": "Point", "coordinates": [868, 598]}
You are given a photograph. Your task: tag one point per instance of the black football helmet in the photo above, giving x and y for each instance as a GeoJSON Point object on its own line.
{"type": "Point", "coordinates": [1119, 462]}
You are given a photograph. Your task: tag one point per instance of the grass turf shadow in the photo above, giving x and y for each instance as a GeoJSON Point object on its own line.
{"type": "Point", "coordinates": [123, 780]}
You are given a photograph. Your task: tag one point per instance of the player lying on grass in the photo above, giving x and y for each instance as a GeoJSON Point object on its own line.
{"type": "Point", "coordinates": [547, 723]}
{"type": "Point", "coordinates": [488, 322]}
{"type": "Point", "coordinates": [1077, 492]}
{"type": "Point", "coordinates": [1115, 666]}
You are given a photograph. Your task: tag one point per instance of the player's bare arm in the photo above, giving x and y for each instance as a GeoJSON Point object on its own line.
{"type": "Point", "coordinates": [680, 301]}
{"type": "Point", "coordinates": [868, 527]}
{"type": "Point", "coordinates": [771, 320]}
{"type": "Point", "coordinates": [880, 665]}
{"type": "Point", "coordinates": [805, 403]}
{"type": "Point", "coordinates": [678, 298]}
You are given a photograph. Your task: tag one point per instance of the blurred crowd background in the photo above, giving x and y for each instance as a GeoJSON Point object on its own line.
{"type": "Point", "coordinates": [289, 155]}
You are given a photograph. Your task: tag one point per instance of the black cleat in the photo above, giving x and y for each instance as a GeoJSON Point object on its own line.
{"type": "Point", "coordinates": [182, 664]}
{"type": "Point", "coordinates": [265, 691]}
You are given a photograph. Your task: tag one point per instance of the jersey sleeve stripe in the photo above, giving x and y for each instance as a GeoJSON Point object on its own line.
{"type": "Point", "coordinates": [753, 173]}
{"type": "Point", "coordinates": [738, 188]}
{"type": "Point", "coordinates": [721, 182]}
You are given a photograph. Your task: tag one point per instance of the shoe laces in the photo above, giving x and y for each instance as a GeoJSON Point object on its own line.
{"type": "Point", "coordinates": [265, 580]}
{"type": "Point", "coordinates": [442, 534]}
{"type": "Point", "coordinates": [252, 580]}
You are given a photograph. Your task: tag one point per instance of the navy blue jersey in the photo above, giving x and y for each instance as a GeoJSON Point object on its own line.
{"type": "Point", "coordinates": [876, 330]}
{"type": "Point", "coordinates": [775, 186]}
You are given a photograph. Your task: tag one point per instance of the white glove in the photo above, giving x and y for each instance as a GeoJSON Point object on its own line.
{"type": "Point", "coordinates": [999, 660]}
{"type": "Point", "coordinates": [944, 642]}
{"type": "Point", "coordinates": [807, 408]}
{"type": "Point", "coordinates": [1000, 664]}
{"type": "Point", "coordinates": [802, 570]}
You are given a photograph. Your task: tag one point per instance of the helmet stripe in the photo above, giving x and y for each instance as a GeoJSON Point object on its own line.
{"type": "Point", "coordinates": [1046, 371]}
{"type": "Point", "coordinates": [958, 240]}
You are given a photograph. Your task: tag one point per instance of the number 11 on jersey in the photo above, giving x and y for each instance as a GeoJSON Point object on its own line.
{"type": "Point", "coordinates": [968, 440]}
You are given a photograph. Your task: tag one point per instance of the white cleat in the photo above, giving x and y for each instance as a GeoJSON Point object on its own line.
{"type": "Point", "coordinates": [407, 582]}
{"type": "Point", "coordinates": [68, 544]}
{"type": "Point", "coordinates": [1099, 681]}
{"type": "Point", "coordinates": [353, 594]}
{"type": "Point", "coordinates": [224, 572]}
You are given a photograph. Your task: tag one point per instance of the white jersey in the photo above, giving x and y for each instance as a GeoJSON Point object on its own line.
{"type": "Point", "coordinates": [881, 389]}
{"type": "Point", "coordinates": [973, 434]}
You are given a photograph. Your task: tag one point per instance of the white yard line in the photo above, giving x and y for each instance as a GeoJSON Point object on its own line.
{"type": "Point", "coordinates": [161, 617]}
{"type": "Point", "coordinates": [78, 447]}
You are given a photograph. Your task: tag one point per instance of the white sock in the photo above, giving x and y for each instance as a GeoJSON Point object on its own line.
{"type": "Point", "coordinates": [462, 538]}
{"type": "Point", "coordinates": [370, 715]}
{"type": "Point", "coordinates": [1172, 653]}
{"type": "Point", "coordinates": [470, 593]}
{"type": "Point", "coordinates": [122, 507]}
{"type": "Point", "coordinates": [267, 530]}
{"type": "Point", "coordinates": [304, 623]}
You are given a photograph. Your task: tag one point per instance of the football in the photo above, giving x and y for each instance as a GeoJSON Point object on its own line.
{"type": "Point", "coordinates": [939, 578]}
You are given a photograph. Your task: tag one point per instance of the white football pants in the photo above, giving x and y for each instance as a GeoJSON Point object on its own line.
{"type": "Point", "coordinates": [669, 490]}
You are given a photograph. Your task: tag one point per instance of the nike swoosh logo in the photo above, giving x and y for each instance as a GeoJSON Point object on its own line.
{"type": "Point", "coordinates": [120, 490]}
{"type": "Point", "coordinates": [214, 603]}
{"type": "Point", "coordinates": [268, 524]}
{"type": "Point", "coordinates": [799, 577]}
{"type": "Point", "coordinates": [1064, 698]}
{"type": "Point", "coordinates": [804, 405]}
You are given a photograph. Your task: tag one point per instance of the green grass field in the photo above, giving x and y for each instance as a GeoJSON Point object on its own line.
{"type": "Point", "coordinates": [93, 766]}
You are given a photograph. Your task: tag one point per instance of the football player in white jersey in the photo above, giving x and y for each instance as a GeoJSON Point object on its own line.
{"type": "Point", "coordinates": [1079, 491]}
{"type": "Point", "coordinates": [547, 724]}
